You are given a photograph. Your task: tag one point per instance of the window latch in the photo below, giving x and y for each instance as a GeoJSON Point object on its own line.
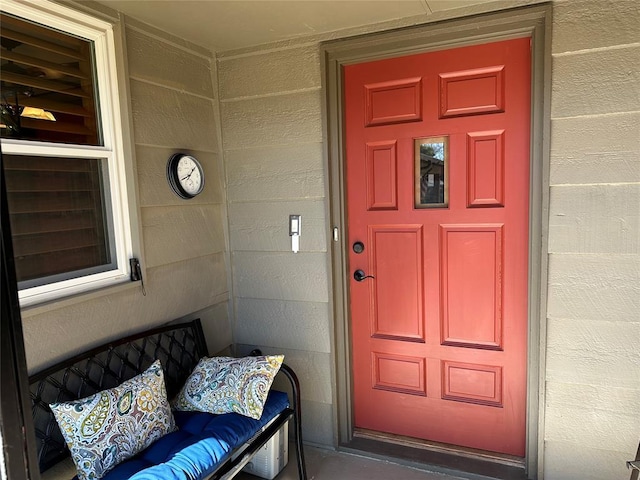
{"type": "Point", "coordinates": [136, 273]}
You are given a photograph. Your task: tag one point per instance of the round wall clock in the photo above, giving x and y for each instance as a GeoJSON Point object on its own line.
{"type": "Point", "coordinates": [185, 175]}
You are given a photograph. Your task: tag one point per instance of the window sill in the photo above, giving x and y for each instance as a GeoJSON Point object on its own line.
{"type": "Point", "coordinates": [64, 302]}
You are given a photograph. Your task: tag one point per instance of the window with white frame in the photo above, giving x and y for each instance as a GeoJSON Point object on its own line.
{"type": "Point", "coordinates": [62, 152]}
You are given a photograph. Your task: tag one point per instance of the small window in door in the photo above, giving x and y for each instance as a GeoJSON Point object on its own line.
{"type": "Point", "coordinates": [432, 172]}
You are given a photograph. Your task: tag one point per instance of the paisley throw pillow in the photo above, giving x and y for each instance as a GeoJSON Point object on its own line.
{"type": "Point", "coordinates": [110, 426]}
{"type": "Point", "coordinates": [224, 385]}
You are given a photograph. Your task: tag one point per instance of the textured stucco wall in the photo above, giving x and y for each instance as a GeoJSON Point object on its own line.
{"type": "Point", "coordinates": [270, 104]}
{"type": "Point", "coordinates": [173, 98]}
{"type": "Point", "coordinates": [592, 423]}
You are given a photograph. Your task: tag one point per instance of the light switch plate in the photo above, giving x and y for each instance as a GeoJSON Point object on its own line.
{"type": "Point", "coordinates": [295, 224]}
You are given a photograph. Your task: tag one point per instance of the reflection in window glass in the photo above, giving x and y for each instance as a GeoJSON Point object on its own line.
{"type": "Point", "coordinates": [46, 85]}
{"type": "Point", "coordinates": [431, 164]}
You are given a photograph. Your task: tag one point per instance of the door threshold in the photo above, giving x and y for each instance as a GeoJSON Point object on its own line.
{"type": "Point", "coordinates": [436, 457]}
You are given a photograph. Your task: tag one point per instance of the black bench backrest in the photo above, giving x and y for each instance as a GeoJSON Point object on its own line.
{"type": "Point", "coordinates": [178, 347]}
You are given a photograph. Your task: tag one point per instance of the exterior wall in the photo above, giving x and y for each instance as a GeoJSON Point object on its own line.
{"type": "Point", "coordinates": [173, 97]}
{"type": "Point", "coordinates": [271, 120]}
{"type": "Point", "coordinates": [593, 338]}
{"type": "Point", "coordinates": [271, 108]}
{"type": "Point", "coordinates": [270, 104]}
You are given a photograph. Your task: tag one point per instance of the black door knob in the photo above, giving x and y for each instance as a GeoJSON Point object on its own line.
{"type": "Point", "coordinates": [359, 275]}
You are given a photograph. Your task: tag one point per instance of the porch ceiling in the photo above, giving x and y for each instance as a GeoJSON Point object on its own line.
{"type": "Point", "coordinates": [230, 24]}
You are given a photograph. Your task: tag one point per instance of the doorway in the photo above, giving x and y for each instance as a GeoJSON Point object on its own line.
{"type": "Point", "coordinates": [406, 373]}
{"type": "Point", "coordinates": [437, 170]}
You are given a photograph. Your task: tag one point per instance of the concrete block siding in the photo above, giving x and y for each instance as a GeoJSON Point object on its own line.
{"type": "Point", "coordinates": [270, 107]}
{"type": "Point", "coordinates": [253, 175]}
{"type": "Point", "coordinates": [581, 219]}
{"type": "Point", "coordinates": [595, 149]}
{"type": "Point", "coordinates": [593, 343]}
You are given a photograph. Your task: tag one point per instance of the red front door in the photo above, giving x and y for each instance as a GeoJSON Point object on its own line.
{"type": "Point", "coordinates": [437, 160]}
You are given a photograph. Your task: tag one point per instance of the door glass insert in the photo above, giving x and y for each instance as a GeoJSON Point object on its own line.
{"type": "Point", "coordinates": [431, 172]}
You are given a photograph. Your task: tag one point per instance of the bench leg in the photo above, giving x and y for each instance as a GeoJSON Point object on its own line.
{"type": "Point", "coordinates": [302, 468]}
{"type": "Point", "coordinates": [634, 465]}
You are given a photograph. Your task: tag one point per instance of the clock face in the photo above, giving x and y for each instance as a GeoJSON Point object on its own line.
{"type": "Point", "coordinates": [189, 175]}
{"type": "Point", "coordinates": [185, 175]}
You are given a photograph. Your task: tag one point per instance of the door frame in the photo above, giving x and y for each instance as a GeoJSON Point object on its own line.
{"type": "Point", "coordinates": [533, 22]}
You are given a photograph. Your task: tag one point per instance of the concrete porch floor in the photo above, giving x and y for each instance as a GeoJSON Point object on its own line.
{"type": "Point", "coordinates": [331, 465]}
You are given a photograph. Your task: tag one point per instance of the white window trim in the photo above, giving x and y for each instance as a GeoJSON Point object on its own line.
{"type": "Point", "coordinates": [101, 33]}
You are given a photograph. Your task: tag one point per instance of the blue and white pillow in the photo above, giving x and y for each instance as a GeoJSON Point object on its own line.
{"type": "Point", "coordinates": [111, 426]}
{"type": "Point", "coordinates": [225, 384]}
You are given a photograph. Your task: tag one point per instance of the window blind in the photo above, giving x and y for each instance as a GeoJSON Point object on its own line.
{"type": "Point", "coordinates": [57, 215]}
{"type": "Point", "coordinates": [47, 84]}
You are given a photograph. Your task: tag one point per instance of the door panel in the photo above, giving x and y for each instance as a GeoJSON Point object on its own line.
{"type": "Point", "coordinates": [397, 101]}
{"type": "Point", "coordinates": [396, 263]}
{"type": "Point", "coordinates": [471, 92]}
{"type": "Point", "coordinates": [485, 169]}
{"type": "Point", "coordinates": [437, 169]}
{"type": "Point", "coordinates": [471, 285]}
{"type": "Point", "coordinates": [380, 171]}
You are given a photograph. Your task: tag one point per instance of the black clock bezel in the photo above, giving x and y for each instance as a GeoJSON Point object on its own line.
{"type": "Point", "coordinates": [174, 179]}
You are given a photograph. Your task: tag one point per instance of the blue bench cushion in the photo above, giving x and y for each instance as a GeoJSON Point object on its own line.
{"type": "Point", "coordinates": [202, 441]}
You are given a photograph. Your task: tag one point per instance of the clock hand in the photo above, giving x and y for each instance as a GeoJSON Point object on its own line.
{"type": "Point", "coordinates": [184, 178]}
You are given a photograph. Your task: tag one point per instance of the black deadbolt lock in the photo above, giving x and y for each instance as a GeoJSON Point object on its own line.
{"type": "Point", "coordinates": [358, 247]}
